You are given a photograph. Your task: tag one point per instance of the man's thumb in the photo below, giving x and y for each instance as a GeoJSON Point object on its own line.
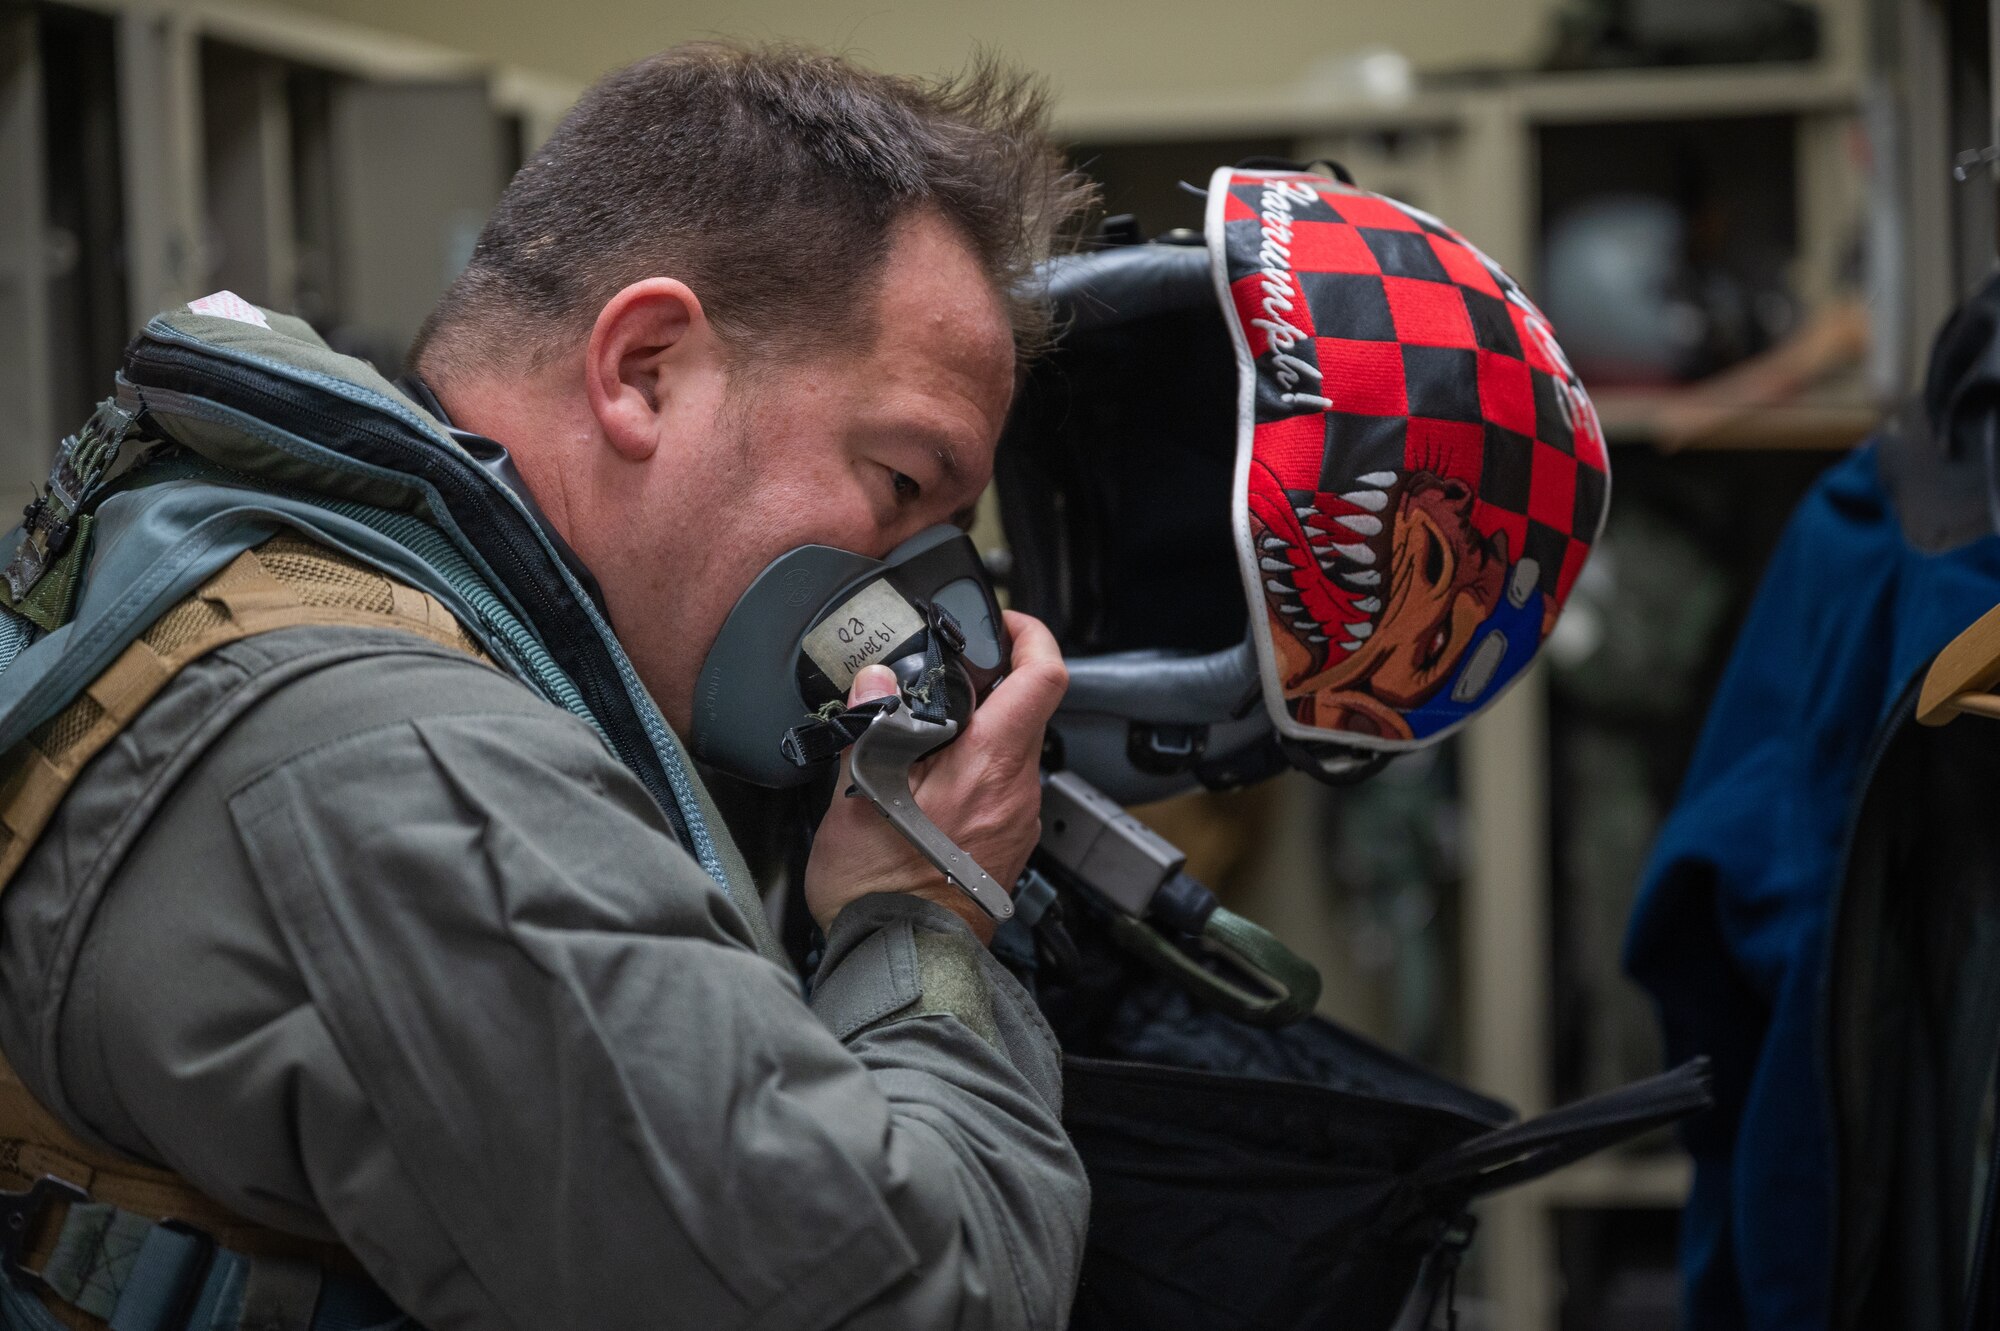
{"type": "Point", "coordinates": [876, 681]}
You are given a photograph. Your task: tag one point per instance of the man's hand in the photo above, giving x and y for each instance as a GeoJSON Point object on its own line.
{"type": "Point", "coordinates": [983, 790]}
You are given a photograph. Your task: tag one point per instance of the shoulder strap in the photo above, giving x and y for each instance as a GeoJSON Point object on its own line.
{"type": "Point", "coordinates": [34, 1145]}
{"type": "Point", "coordinates": [100, 1241]}
{"type": "Point", "coordinates": [136, 1247]}
{"type": "Point", "coordinates": [285, 582]}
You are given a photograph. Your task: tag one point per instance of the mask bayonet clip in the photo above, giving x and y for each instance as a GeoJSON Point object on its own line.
{"type": "Point", "coordinates": [883, 756]}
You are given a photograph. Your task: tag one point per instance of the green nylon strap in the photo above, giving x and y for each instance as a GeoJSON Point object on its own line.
{"type": "Point", "coordinates": [137, 1274]}
{"type": "Point", "coordinates": [51, 530]}
{"type": "Point", "coordinates": [94, 1256]}
{"type": "Point", "coordinates": [52, 598]}
{"type": "Point", "coordinates": [1285, 985]}
{"type": "Point", "coordinates": [1259, 951]}
{"type": "Point", "coordinates": [140, 1275]}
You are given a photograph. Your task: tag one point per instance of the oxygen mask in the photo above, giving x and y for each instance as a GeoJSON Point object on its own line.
{"type": "Point", "coordinates": [771, 703]}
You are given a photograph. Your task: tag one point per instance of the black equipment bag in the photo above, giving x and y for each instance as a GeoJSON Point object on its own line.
{"type": "Point", "coordinates": [1246, 1179]}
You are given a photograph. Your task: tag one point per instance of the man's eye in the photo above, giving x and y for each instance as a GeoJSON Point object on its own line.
{"type": "Point", "coordinates": [905, 487]}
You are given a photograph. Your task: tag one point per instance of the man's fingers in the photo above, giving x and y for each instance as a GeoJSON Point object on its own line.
{"type": "Point", "coordinates": [876, 681]}
{"type": "Point", "coordinates": [1034, 687]}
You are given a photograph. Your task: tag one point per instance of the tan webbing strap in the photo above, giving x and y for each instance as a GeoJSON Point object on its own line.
{"type": "Point", "coordinates": [33, 1143]}
{"type": "Point", "coordinates": [283, 583]}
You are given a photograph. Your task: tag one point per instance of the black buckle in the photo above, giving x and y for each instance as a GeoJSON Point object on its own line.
{"type": "Point", "coordinates": [20, 1212]}
{"type": "Point", "coordinates": [947, 629]}
{"type": "Point", "coordinates": [825, 737]}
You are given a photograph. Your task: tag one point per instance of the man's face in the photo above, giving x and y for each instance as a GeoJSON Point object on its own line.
{"type": "Point", "coordinates": [859, 450]}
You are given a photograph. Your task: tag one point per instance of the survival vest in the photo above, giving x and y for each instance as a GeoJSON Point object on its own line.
{"type": "Point", "coordinates": [245, 478]}
{"type": "Point", "coordinates": [135, 1238]}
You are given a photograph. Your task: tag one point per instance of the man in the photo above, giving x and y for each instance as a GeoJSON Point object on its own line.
{"type": "Point", "coordinates": [399, 955]}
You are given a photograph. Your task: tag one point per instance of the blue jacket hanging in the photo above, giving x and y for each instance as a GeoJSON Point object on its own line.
{"type": "Point", "coordinates": [1729, 930]}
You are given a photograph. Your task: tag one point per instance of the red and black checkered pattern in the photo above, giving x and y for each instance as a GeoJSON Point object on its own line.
{"type": "Point", "coordinates": [1387, 346]}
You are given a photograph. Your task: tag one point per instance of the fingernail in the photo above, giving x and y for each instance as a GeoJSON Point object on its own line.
{"type": "Point", "coordinates": [876, 681]}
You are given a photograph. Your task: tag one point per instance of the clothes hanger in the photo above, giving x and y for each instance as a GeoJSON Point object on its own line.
{"type": "Point", "coordinates": [1964, 676]}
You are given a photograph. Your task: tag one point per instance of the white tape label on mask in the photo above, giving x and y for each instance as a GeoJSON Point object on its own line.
{"type": "Point", "coordinates": [861, 632]}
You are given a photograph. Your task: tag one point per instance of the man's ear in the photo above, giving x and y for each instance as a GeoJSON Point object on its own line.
{"type": "Point", "coordinates": [644, 338]}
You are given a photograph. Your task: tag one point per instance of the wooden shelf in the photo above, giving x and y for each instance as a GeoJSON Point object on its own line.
{"type": "Point", "coordinates": [1594, 96]}
{"type": "Point", "coordinates": [1708, 92]}
{"type": "Point", "coordinates": [1628, 416]}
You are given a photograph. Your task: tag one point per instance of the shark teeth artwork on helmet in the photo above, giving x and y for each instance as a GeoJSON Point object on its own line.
{"type": "Point", "coordinates": [1323, 556]}
{"type": "Point", "coordinates": [1420, 474]}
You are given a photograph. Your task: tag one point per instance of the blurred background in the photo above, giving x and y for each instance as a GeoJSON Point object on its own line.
{"type": "Point", "coordinates": [1740, 216]}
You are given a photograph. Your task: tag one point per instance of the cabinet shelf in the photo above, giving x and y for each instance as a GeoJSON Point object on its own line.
{"type": "Point", "coordinates": [1835, 423]}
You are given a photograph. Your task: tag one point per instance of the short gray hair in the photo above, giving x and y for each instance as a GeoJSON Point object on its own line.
{"type": "Point", "coordinates": [768, 179]}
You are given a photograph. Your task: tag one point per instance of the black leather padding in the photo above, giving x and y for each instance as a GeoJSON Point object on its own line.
{"type": "Point", "coordinates": [1166, 687]}
{"type": "Point", "coordinates": [1116, 286]}
{"type": "Point", "coordinates": [1116, 467]}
